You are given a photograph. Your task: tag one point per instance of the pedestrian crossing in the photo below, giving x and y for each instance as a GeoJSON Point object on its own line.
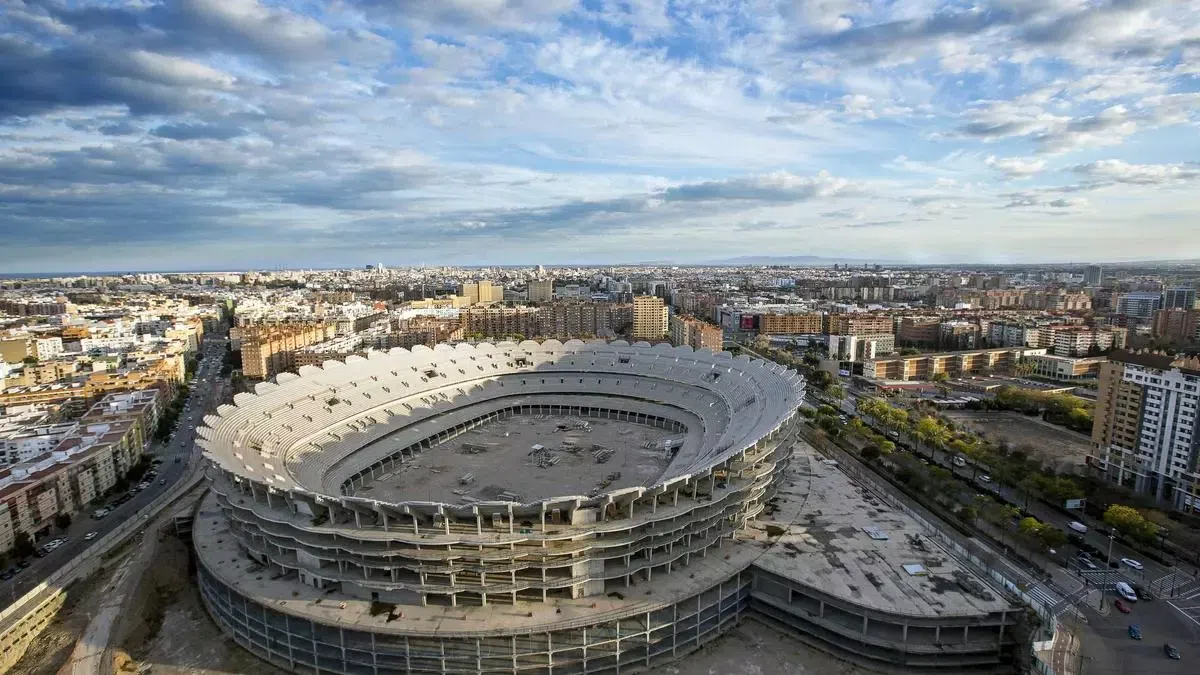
{"type": "Point", "coordinates": [1039, 593]}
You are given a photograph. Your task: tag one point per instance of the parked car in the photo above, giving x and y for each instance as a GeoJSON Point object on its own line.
{"type": "Point", "coordinates": [1170, 651]}
{"type": "Point", "coordinates": [5, 576]}
{"type": "Point", "coordinates": [1135, 631]}
{"type": "Point", "coordinates": [1133, 563]}
{"type": "Point", "coordinates": [89, 536]}
{"type": "Point", "coordinates": [1122, 607]}
{"type": "Point", "coordinates": [985, 478]}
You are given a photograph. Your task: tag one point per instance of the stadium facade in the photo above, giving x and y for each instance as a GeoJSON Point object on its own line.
{"type": "Point", "coordinates": [518, 557]}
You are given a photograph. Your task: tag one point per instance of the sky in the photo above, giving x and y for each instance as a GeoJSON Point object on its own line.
{"type": "Point", "coordinates": [230, 134]}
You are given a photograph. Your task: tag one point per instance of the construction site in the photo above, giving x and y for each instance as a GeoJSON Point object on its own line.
{"type": "Point", "coordinates": [529, 458]}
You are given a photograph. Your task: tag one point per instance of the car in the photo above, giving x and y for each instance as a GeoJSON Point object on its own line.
{"type": "Point", "coordinates": [1142, 593]}
{"type": "Point", "coordinates": [985, 478]}
{"type": "Point", "coordinates": [90, 536]}
{"type": "Point", "coordinates": [1125, 591]}
{"type": "Point", "coordinates": [1170, 651]}
{"type": "Point", "coordinates": [1135, 631]}
{"type": "Point", "coordinates": [960, 462]}
{"type": "Point", "coordinates": [1078, 526]}
{"type": "Point", "coordinates": [24, 564]}
{"type": "Point", "coordinates": [5, 576]}
{"type": "Point", "coordinates": [1133, 563]}
{"type": "Point", "coordinates": [1086, 563]}
{"type": "Point", "coordinates": [162, 482]}
{"type": "Point", "coordinates": [1122, 607]}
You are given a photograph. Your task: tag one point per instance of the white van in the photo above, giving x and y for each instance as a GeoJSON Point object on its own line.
{"type": "Point", "coordinates": [1077, 526]}
{"type": "Point", "coordinates": [1125, 591]}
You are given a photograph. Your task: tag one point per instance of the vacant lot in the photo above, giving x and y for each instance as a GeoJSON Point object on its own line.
{"type": "Point", "coordinates": [1064, 450]}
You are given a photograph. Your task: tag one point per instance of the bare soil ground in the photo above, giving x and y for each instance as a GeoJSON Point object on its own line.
{"type": "Point", "coordinates": [174, 635]}
{"type": "Point", "coordinates": [755, 649]}
{"type": "Point", "coordinates": [1065, 450]}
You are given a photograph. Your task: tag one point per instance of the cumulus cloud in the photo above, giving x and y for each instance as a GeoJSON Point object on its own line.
{"type": "Point", "coordinates": [1119, 171]}
{"type": "Point", "coordinates": [1016, 167]}
{"type": "Point", "coordinates": [314, 131]}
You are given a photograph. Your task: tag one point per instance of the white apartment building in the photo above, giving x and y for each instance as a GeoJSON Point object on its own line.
{"type": "Point", "coordinates": [1148, 418]}
{"type": "Point", "coordinates": [47, 348]}
{"type": "Point", "coordinates": [1010, 334]}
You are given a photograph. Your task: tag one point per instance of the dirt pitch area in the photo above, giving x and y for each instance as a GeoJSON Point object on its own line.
{"type": "Point", "coordinates": [1063, 449]}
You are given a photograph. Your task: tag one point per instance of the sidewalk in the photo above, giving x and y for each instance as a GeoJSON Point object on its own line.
{"type": "Point", "coordinates": [1064, 656]}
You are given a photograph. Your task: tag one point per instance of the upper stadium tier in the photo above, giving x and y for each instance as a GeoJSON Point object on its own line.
{"type": "Point", "coordinates": [343, 431]}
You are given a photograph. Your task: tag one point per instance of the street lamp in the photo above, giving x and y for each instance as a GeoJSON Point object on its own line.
{"type": "Point", "coordinates": [1112, 534]}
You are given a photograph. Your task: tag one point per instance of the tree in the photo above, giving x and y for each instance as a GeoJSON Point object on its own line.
{"type": "Point", "coordinates": [30, 360]}
{"type": "Point", "coordinates": [1127, 521]}
{"type": "Point", "coordinates": [1052, 537]}
{"type": "Point", "coordinates": [62, 521]}
{"type": "Point", "coordinates": [1029, 526]}
{"type": "Point", "coordinates": [869, 453]}
{"type": "Point", "coordinates": [22, 545]}
{"type": "Point", "coordinates": [968, 514]}
{"type": "Point", "coordinates": [940, 377]}
{"type": "Point", "coordinates": [886, 447]}
{"type": "Point", "coordinates": [836, 392]}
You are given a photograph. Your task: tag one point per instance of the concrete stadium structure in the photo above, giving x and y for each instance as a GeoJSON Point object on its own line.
{"type": "Point", "coordinates": [492, 553]}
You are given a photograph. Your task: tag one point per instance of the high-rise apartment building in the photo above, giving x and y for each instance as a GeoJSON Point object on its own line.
{"type": "Point", "coordinates": [686, 330]}
{"type": "Point", "coordinates": [1177, 325]}
{"type": "Point", "coordinates": [1146, 435]}
{"type": "Point", "coordinates": [1179, 298]}
{"type": "Point", "coordinates": [1139, 304]}
{"type": "Point", "coordinates": [649, 318]}
{"type": "Point", "coordinates": [482, 292]}
{"type": "Point", "coordinates": [540, 290]}
{"type": "Point", "coordinates": [1094, 275]}
{"type": "Point", "coordinates": [789, 324]}
{"type": "Point", "coordinates": [860, 324]}
{"type": "Point", "coordinates": [270, 349]}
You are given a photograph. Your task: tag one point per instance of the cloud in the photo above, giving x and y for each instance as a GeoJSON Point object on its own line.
{"type": "Point", "coordinates": [1119, 171]}
{"type": "Point", "coordinates": [195, 131]}
{"type": "Point", "coordinates": [1015, 168]}
{"type": "Point", "coordinates": [776, 187]}
{"type": "Point", "coordinates": [251, 132]}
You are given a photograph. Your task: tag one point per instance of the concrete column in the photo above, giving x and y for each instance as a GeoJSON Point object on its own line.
{"type": "Point", "coordinates": [966, 629]}
{"type": "Point", "coordinates": [675, 499]}
{"type": "Point", "coordinates": [821, 610]}
{"type": "Point", "coordinates": [864, 624]}
{"type": "Point", "coordinates": [510, 519]}
{"type": "Point", "coordinates": [937, 634]}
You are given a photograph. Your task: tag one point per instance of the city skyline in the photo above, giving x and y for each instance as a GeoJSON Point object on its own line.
{"type": "Point", "coordinates": [236, 134]}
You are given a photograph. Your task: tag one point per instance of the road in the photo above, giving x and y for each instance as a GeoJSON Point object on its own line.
{"type": "Point", "coordinates": [207, 391]}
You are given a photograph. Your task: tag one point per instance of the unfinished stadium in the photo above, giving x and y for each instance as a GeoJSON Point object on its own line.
{"type": "Point", "coordinates": [547, 508]}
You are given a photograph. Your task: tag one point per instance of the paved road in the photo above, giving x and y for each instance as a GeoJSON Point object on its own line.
{"type": "Point", "coordinates": [203, 397]}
